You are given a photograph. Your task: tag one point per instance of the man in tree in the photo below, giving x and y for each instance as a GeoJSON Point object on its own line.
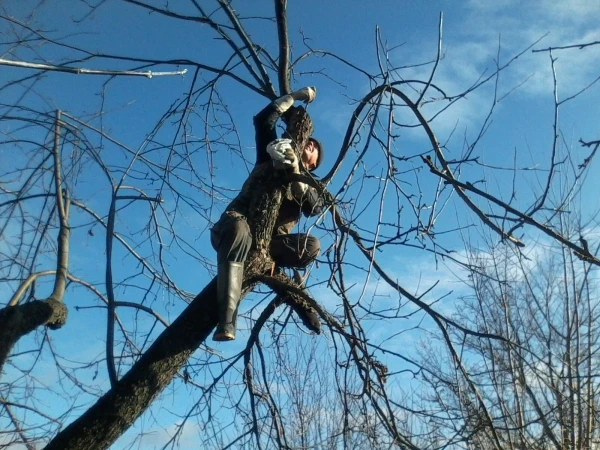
{"type": "Point", "coordinates": [231, 236]}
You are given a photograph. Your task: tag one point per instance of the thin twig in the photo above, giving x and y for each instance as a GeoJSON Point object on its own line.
{"type": "Point", "coordinates": [565, 47]}
{"type": "Point", "coordinates": [82, 71]}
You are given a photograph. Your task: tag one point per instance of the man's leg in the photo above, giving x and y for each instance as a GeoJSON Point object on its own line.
{"type": "Point", "coordinates": [232, 239]}
{"type": "Point", "coordinates": [294, 250]}
{"type": "Point", "coordinates": [298, 251]}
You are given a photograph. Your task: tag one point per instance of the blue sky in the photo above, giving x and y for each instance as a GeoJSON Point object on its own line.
{"type": "Point", "coordinates": [477, 35]}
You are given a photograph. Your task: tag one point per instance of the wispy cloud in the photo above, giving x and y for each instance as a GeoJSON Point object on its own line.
{"type": "Point", "coordinates": [490, 34]}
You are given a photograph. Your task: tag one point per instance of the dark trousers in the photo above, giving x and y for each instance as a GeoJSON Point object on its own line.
{"type": "Point", "coordinates": [231, 238]}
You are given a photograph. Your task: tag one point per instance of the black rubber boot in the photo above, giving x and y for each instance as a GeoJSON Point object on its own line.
{"type": "Point", "coordinates": [229, 288]}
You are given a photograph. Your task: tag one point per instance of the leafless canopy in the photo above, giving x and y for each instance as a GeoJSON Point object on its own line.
{"type": "Point", "coordinates": [105, 236]}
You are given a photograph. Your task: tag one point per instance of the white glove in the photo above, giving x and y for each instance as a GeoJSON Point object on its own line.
{"type": "Point", "coordinates": [299, 189]}
{"type": "Point", "coordinates": [284, 103]}
{"type": "Point", "coordinates": [306, 94]}
{"type": "Point", "coordinates": [291, 159]}
{"type": "Point", "coordinates": [282, 153]}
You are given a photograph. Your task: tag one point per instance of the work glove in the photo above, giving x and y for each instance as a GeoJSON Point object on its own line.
{"type": "Point", "coordinates": [282, 153]}
{"type": "Point", "coordinates": [298, 190]}
{"type": "Point", "coordinates": [306, 94]}
{"type": "Point", "coordinates": [291, 159]}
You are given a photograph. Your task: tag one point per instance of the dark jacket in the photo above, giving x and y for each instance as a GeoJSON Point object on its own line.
{"type": "Point", "coordinates": [291, 208]}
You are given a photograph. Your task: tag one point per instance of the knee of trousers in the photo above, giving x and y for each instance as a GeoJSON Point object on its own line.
{"type": "Point", "coordinates": [241, 232]}
{"type": "Point", "coordinates": [241, 242]}
{"type": "Point", "coordinates": [233, 241]}
{"type": "Point", "coordinates": [312, 248]}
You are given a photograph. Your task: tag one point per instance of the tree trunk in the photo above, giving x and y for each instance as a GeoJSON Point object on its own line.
{"type": "Point", "coordinates": [116, 410]}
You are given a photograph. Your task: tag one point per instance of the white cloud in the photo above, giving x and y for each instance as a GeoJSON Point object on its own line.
{"type": "Point", "coordinates": [499, 30]}
{"type": "Point", "coordinates": [520, 24]}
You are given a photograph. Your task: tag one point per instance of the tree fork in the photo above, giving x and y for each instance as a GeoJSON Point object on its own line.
{"type": "Point", "coordinates": [119, 407]}
{"type": "Point", "coordinates": [17, 320]}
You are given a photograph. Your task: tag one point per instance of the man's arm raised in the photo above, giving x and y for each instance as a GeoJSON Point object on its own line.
{"type": "Point", "coordinates": [266, 120]}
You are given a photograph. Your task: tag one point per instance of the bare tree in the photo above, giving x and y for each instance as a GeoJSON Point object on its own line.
{"type": "Point", "coordinates": [531, 383]}
{"type": "Point", "coordinates": [74, 195]}
{"type": "Point", "coordinates": [539, 380]}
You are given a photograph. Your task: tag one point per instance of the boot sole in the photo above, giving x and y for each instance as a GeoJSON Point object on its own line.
{"type": "Point", "coordinates": [221, 337]}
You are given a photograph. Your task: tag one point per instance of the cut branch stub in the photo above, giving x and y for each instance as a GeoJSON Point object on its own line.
{"type": "Point", "coordinates": [19, 320]}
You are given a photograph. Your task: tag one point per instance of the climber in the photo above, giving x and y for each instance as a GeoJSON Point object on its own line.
{"type": "Point", "coordinates": [231, 236]}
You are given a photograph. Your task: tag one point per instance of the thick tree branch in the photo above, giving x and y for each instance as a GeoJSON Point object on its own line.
{"type": "Point", "coordinates": [284, 47]}
{"type": "Point", "coordinates": [17, 321]}
{"type": "Point", "coordinates": [233, 18]}
{"type": "Point", "coordinates": [110, 295]}
{"type": "Point", "coordinates": [62, 206]}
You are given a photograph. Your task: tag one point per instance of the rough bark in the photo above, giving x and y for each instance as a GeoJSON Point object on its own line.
{"type": "Point", "coordinates": [116, 411]}
{"type": "Point", "coordinates": [16, 321]}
